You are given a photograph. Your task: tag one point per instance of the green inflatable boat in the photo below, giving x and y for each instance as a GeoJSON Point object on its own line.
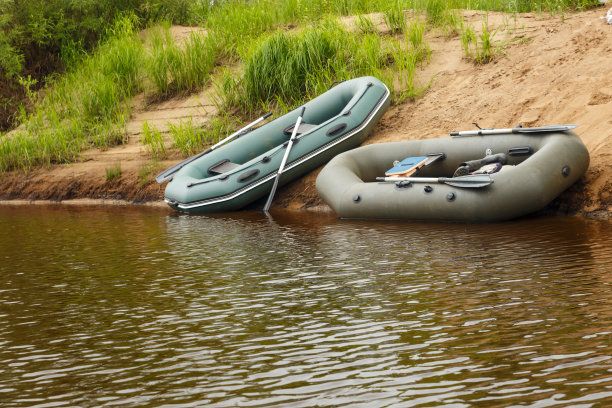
{"type": "Point", "coordinates": [236, 174]}
{"type": "Point", "coordinates": [485, 175]}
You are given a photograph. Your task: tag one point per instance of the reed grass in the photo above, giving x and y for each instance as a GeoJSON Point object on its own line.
{"type": "Point", "coordinates": [396, 19]}
{"type": "Point", "coordinates": [285, 69]}
{"type": "Point", "coordinates": [191, 139]}
{"type": "Point", "coordinates": [468, 37]}
{"type": "Point", "coordinates": [89, 105]}
{"type": "Point", "coordinates": [146, 173]}
{"type": "Point", "coordinates": [485, 50]}
{"type": "Point", "coordinates": [173, 68]}
{"type": "Point", "coordinates": [153, 141]}
{"type": "Point", "coordinates": [114, 172]}
{"type": "Point", "coordinates": [414, 33]}
{"type": "Point", "coordinates": [188, 138]}
{"type": "Point", "coordinates": [365, 25]}
{"type": "Point", "coordinates": [481, 48]}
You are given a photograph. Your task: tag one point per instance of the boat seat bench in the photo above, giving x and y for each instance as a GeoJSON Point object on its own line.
{"type": "Point", "coordinates": [303, 128]}
{"type": "Point", "coordinates": [225, 165]}
{"type": "Point", "coordinates": [222, 167]}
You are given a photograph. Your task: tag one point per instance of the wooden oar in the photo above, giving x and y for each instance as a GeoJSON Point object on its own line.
{"type": "Point", "coordinates": [482, 132]}
{"type": "Point", "coordinates": [472, 181]}
{"type": "Point", "coordinates": [284, 161]}
{"type": "Point", "coordinates": [170, 172]}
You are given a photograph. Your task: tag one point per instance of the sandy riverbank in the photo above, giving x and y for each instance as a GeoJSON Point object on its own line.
{"type": "Point", "coordinates": [555, 71]}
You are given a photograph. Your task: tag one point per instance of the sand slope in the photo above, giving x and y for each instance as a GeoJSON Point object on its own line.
{"type": "Point", "coordinates": [555, 71]}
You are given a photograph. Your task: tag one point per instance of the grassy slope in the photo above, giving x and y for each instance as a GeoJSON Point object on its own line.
{"type": "Point", "coordinates": [90, 105]}
{"type": "Point", "coordinates": [231, 89]}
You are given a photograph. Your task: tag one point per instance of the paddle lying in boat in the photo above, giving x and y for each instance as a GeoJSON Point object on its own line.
{"type": "Point", "coordinates": [172, 170]}
{"type": "Point", "coordinates": [474, 181]}
{"type": "Point", "coordinates": [541, 129]}
{"type": "Point", "coordinates": [284, 161]}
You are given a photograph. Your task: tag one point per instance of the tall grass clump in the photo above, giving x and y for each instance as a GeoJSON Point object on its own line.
{"type": "Point", "coordinates": [481, 48]}
{"type": "Point", "coordinates": [285, 69]}
{"type": "Point", "coordinates": [468, 37]}
{"type": "Point", "coordinates": [153, 140]}
{"type": "Point", "coordinates": [190, 139]}
{"type": "Point", "coordinates": [395, 19]}
{"type": "Point", "coordinates": [174, 68]}
{"type": "Point", "coordinates": [415, 34]}
{"type": "Point", "coordinates": [365, 25]}
{"type": "Point", "coordinates": [114, 172]}
{"type": "Point", "coordinates": [146, 174]}
{"type": "Point", "coordinates": [401, 76]}
{"type": "Point", "coordinates": [290, 66]}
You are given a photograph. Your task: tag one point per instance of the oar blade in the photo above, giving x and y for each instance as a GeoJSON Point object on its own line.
{"type": "Point", "coordinates": [470, 181]}
{"type": "Point", "coordinates": [550, 128]}
{"type": "Point", "coordinates": [166, 175]}
{"type": "Point", "coordinates": [540, 129]}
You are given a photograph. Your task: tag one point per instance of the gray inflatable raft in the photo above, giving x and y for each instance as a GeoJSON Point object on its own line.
{"type": "Point", "coordinates": [539, 166]}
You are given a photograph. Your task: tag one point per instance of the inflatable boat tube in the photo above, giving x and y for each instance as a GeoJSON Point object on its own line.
{"type": "Point", "coordinates": [539, 167]}
{"type": "Point", "coordinates": [243, 170]}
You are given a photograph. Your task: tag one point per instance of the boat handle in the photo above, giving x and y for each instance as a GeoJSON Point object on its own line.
{"type": "Point", "coordinates": [335, 130]}
{"type": "Point", "coordinates": [248, 175]}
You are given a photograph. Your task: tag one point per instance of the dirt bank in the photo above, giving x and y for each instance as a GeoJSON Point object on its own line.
{"type": "Point", "coordinates": [555, 71]}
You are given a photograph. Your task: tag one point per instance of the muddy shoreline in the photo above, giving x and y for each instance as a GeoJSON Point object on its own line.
{"type": "Point", "coordinates": [35, 189]}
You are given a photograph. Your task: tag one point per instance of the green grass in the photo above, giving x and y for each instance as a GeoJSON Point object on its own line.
{"type": "Point", "coordinates": [285, 60]}
{"type": "Point", "coordinates": [113, 173]}
{"type": "Point", "coordinates": [285, 69]}
{"type": "Point", "coordinates": [191, 139]}
{"type": "Point", "coordinates": [481, 48]}
{"type": "Point", "coordinates": [174, 68]}
{"type": "Point", "coordinates": [188, 138]}
{"type": "Point", "coordinates": [86, 107]}
{"type": "Point", "coordinates": [365, 25]}
{"type": "Point", "coordinates": [146, 174]}
{"type": "Point", "coordinates": [153, 140]}
{"type": "Point", "coordinates": [395, 19]}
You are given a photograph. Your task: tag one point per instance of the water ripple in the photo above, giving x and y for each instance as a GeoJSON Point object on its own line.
{"type": "Point", "coordinates": [137, 308]}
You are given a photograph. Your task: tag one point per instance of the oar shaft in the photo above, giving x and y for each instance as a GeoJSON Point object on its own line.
{"type": "Point", "coordinates": [412, 179]}
{"type": "Point", "coordinates": [471, 181]}
{"type": "Point", "coordinates": [541, 129]}
{"type": "Point", "coordinates": [284, 161]}
{"type": "Point", "coordinates": [481, 132]}
{"type": "Point", "coordinates": [290, 145]}
{"type": "Point", "coordinates": [241, 131]}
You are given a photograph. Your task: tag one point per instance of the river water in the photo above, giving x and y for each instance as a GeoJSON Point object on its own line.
{"type": "Point", "coordinates": [139, 307]}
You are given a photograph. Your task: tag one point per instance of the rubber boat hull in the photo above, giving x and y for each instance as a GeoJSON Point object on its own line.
{"type": "Point", "coordinates": [540, 167]}
{"type": "Point", "coordinates": [340, 120]}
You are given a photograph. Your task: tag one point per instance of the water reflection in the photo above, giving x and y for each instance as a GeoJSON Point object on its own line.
{"type": "Point", "coordinates": [125, 307]}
